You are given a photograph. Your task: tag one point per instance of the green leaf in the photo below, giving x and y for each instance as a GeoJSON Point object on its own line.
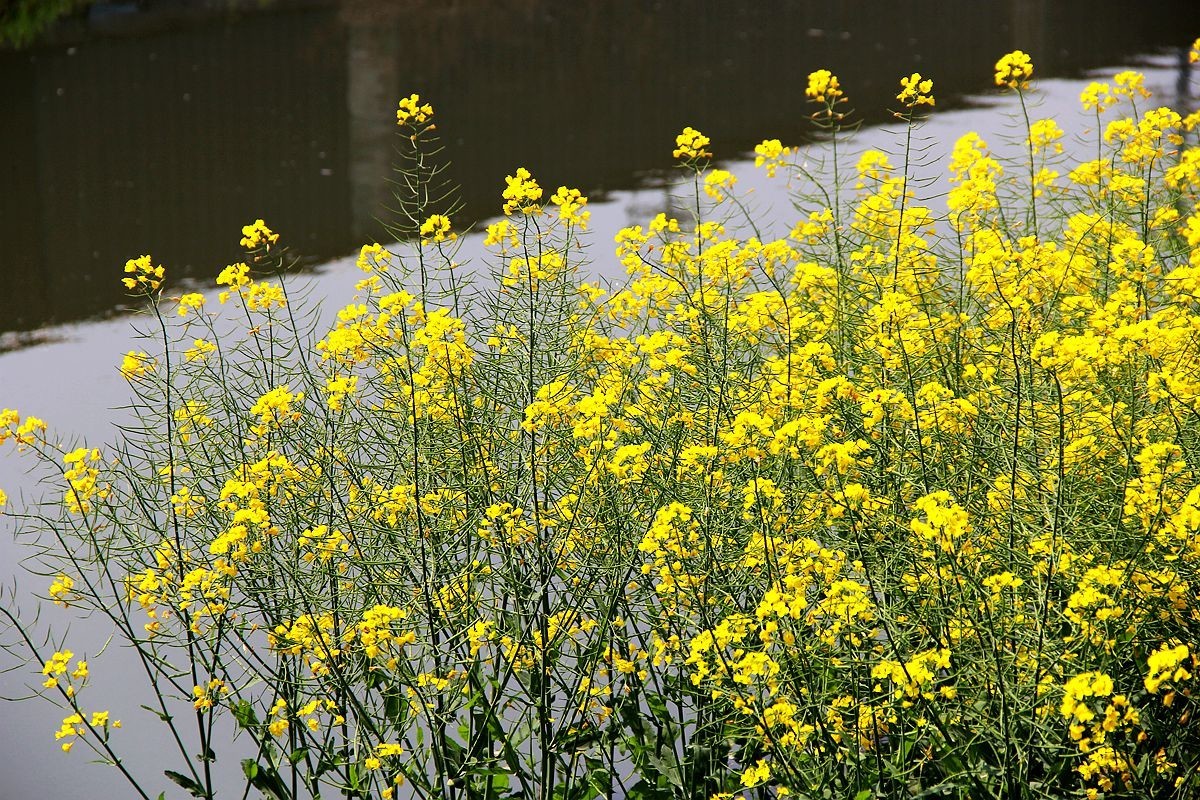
{"type": "Point", "coordinates": [161, 715]}
{"type": "Point", "coordinates": [194, 789]}
{"type": "Point", "coordinates": [455, 756]}
{"type": "Point", "coordinates": [395, 707]}
{"type": "Point", "coordinates": [264, 778]}
{"type": "Point", "coordinates": [647, 791]}
{"type": "Point", "coordinates": [297, 755]}
{"type": "Point", "coordinates": [243, 712]}
{"type": "Point", "coordinates": [658, 706]}
{"type": "Point", "coordinates": [577, 740]}
{"type": "Point", "coordinates": [668, 766]}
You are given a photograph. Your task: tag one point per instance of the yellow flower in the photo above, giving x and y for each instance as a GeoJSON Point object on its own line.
{"type": "Point", "coordinates": [437, 229]}
{"type": "Point", "coordinates": [1194, 53]}
{"type": "Point", "coordinates": [256, 235]}
{"type": "Point", "coordinates": [72, 726]}
{"type": "Point", "coordinates": [501, 233]}
{"type": "Point", "coordinates": [1014, 70]}
{"type": "Point", "coordinates": [1045, 134]}
{"type": "Point", "coordinates": [1130, 83]}
{"type": "Point", "coordinates": [26, 432]}
{"type": "Point", "coordinates": [142, 276]}
{"type": "Point", "coordinates": [207, 696]}
{"type": "Point", "coordinates": [521, 193]}
{"type": "Point", "coordinates": [770, 154]}
{"type": "Point", "coordinates": [411, 109]}
{"type": "Point", "coordinates": [57, 665]}
{"type": "Point", "coordinates": [192, 301]}
{"type": "Point", "coordinates": [717, 182]}
{"type": "Point", "coordinates": [570, 204]}
{"type": "Point", "coordinates": [823, 87]}
{"type": "Point", "coordinates": [136, 364]}
{"type": "Point", "coordinates": [689, 145]}
{"type": "Point", "coordinates": [274, 408]}
{"type": "Point", "coordinates": [373, 258]}
{"type": "Point", "coordinates": [757, 774]}
{"type": "Point", "coordinates": [1167, 664]}
{"type": "Point", "coordinates": [199, 350]}
{"type": "Point", "coordinates": [1098, 97]}
{"type": "Point", "coordinates": [915, 91]}
{"type": "Point", "coordinates": [235, 276]}
{"type": "Point", "coordinates": [60, 589]}
{"type": "Point", "coordinates": [337, 389]}
{"type": "Point", "coordinates": [385, 749]}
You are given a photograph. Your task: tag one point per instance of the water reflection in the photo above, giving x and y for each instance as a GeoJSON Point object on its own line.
{"type": "Point", "coordinates": [155, 133]}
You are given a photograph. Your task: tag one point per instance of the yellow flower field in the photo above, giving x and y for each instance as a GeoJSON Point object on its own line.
{"type": "Point", "coordinates": [902, 504]}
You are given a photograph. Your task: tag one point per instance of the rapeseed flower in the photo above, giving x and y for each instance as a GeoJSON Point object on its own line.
{"type": "Point", "coordinates": [257, 234]}
{"type": "Point", "coordinates": [191, 302]}
{"type": "Point", "coordinates": [521, 193]}
{"type": "Point", "coordinates": [412, 110]}
{"type": "Point", "coordinates": [916, 91]}
{"type": "Point", "coordinates": [142, 276]}
{"type": "Point", "coordinates": [823, 87]}
{"type": "Point", "coordinates": [1014, 70]}
{"type": "Point", "coordinates": [769, 153]}
{"type": "Point", "coordinates": [690, 146]}
{"type": "Point", "coordinates": [437, 229]}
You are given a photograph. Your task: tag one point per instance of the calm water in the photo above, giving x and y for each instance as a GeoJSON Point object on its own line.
{"type": "Point", "coordinates": [164, 132]}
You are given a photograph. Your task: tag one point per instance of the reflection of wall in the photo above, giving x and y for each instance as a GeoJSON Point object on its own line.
{"type": "Point", "coordinates": [373, 87]}
{"type": "Point", "coordinates": [168, 141]}
{"type": "Point", "coordinates": [1027, 21]}
{"type": "Point", "coordinates": [588, 94]}
{"type": "Point", "coordinates": [167, 145]}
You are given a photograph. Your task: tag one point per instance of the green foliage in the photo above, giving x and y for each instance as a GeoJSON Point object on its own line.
{"type": "Point", "coordinates": [22, 21]}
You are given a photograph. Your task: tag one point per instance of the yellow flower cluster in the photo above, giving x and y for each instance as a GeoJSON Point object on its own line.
{"type": "Point", "coordinates": [1169, 664]}
{"type": "Point", "coordinates": [275, 408]}
{"type": "Point", "coordinates": [207, 696]}
{"type": "Point", "coordinates": [1014, 70]}
{"type": "Point", "coordinates": [60, 590]}
{"type": "Point", "coordinates": [412, 111]}
{"type": "Point", "coordinates": [436, 229]}
{"type": "Point", "coordinates": [916, 91]}
{"type": "Point", "coordinates": [571, 207]}
{"type": "Point", "coordinates": [191, 302]}
{"type": "Point", "coordinates": [74, 726]}
{"type": "Point", "coordinates": [823, 87]}
{"type": "Point", "coordinates": [257, 235]}
{"type": "Point", "coordinates": [141, 276]}
{"type": "Point", "coordinates": [770, 154]}
{"type": "Point", "coordinates": [81, 475]}
{"type": "Point", "coordinates": [690, 145]}
{"type": "Point", "coordinates": [521, 193]}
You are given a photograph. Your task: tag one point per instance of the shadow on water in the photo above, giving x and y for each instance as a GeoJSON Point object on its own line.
{"type": "Point", "coordinates": [146, 129]}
